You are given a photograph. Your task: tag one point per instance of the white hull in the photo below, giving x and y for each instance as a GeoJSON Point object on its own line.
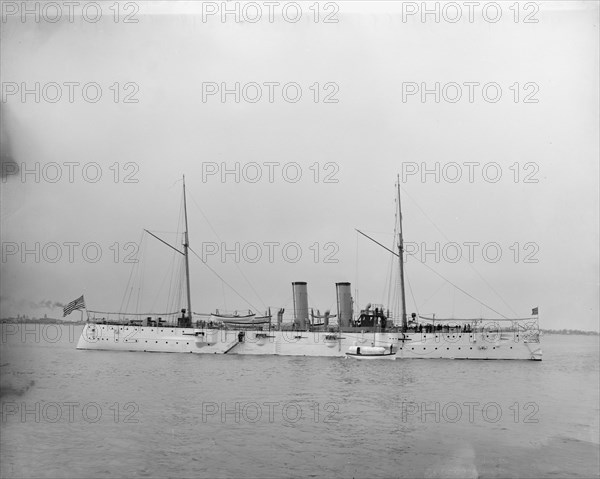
{"type": "Point", "coordinates": [474, 345]}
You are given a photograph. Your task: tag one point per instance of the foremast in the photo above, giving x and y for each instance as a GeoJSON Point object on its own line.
{"type": "Point", "coordinates": [186, 245]}
{"type": "Point", "coordinates": [401, 261]}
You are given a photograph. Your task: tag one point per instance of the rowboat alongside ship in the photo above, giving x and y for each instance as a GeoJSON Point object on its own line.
{"type": "Point", "coordinates": [370, 352]}
{"type": "Point", "coordinates": [370, 334]}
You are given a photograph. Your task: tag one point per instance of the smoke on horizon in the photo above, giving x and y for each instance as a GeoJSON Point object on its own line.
{"type": "Point", "coordinates": [8, 165]}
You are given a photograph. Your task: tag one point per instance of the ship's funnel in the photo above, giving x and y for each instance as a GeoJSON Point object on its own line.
{"type": "Point", "coordinates": [344, 304]}
{"type": "Point", "coordinates": [300, 304]}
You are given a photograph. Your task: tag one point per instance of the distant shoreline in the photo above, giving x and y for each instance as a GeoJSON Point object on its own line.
{"type": "Point", "coordinates": [41, 321]}
{"type": "Point", "coordinates": [570, 332]}
{"type": "Point", "coordinates": [80, 323]}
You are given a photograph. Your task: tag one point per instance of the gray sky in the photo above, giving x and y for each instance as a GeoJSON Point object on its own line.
{"type": "Point", "coordinates": [541, 136]}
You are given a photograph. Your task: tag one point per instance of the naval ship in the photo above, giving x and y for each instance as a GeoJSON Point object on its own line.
{"type": "Point", "coordinates": [342, 335]}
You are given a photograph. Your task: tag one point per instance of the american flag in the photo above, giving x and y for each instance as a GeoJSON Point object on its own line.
{"type": "Point", "coordinates": [79, 303]}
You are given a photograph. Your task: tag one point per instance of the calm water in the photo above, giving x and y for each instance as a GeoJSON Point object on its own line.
{"type": "Point", "coordinates": [69, 413]}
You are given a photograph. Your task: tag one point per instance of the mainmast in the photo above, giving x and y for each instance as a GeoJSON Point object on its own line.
{"type": "Point", "coordinates": [186, 244]}
{"type": "Point", "coordinates": [401, 261]}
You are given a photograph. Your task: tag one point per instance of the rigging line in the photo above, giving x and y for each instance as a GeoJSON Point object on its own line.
{"type": "Point", "coordinates": [133, 267]}
{"type": "Point", "coordinates": [412, 295]}
{"type": "Point", "coordinates": [175, 290]}
{"type": "Point", "coordinates": [172, 302]}
{"type": "Point", "coordinates": [179, 280]}
{"type": "Point", "coordinates": [171, 292]}
{"type": "Point", "coordinates": [135, 314]}
{"type": "Point", "coordinates": [162, 284]}
{"type": "Point", "coordinates": [434, 293]}
{"type": "Point", "coordinates": [438, 274]}
{"type": "Point", "coordinates": [236, 264]}
{"type": "Point", "coordinates": [391, 274]}
{"type": "Point", "coordinates": [447, 239]}
{"type": "Point", "coordinates": [462, 290]}
{"type": "Point", "coordinates": [160, 289]}
{"type": "Point", "coordinates": [288, 302]}
{"type": "Point", "coordinates": [387, 287]}
{"type": "Point", "coordinates": [217, 275]}
{"type": "Point", "coordinates": [179, 274]}
{"type": "Point", "coordinates": [331, 305]}
{"type": "Point", "coordinates": [134, 279]}
{"type": "Point", "coordinates": [130, 291]}
{"type": "Point", "coordinates": [137, 302]}
{"type": "Point", "coordinates": [178, 180]}
{"type": "Point", "coordinates": [142, 283]}
{"type": "Point", "coordinates": [454, 302]}
{"type": "Point", "coordinates": [162, 241]}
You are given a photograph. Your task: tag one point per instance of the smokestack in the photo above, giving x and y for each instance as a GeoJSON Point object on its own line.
{"type": "Point", "coordinates": [300, 304]}
{"type": "Point", "coordinates": [344, 304]}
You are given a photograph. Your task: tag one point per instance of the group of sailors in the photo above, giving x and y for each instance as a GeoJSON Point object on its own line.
{"type": "Point", "coordinates": [430, 328]}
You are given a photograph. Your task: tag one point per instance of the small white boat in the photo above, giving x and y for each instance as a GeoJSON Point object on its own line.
{"type": "Point", "coordinates": [240, 319]}
{"type": "Point", "coordinates": [243, 320]}
{"type": "Point", "coordinates": [235, 314]}
{"type": "Point", "coordinates": [370, 352]}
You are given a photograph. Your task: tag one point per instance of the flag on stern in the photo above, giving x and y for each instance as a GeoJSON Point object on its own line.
{"type": "Point", "coordinates": [79, 303]}
{"type": "Point", "coordinates": [534, 311]}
